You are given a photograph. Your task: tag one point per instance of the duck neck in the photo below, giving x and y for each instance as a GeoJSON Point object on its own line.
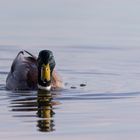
{"type": "Point", "coordinates": [47, 88]}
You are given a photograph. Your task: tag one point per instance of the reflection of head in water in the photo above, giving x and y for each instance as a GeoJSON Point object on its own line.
{"type": "Point", "coordinates": [45, 111]}
{"type": "Point", "coordinates": [41, 102]}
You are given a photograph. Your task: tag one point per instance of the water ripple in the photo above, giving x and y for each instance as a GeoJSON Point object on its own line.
{"type": "Point", "coordinates": [41, 106]}
{"type": "Point", "coordinates": [33, 104]}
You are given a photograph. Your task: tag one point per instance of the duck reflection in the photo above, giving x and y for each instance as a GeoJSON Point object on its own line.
{"type": "Point", "coordinates": [41, 102]}
{"type": "Point", "coordinates": [45, 111]}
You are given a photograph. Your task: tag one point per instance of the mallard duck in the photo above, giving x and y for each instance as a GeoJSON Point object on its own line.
{"type": "Point", "coordinates": [29, 72]}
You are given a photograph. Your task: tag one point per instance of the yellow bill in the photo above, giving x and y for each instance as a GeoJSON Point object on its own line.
{"type": "Point", "coordinates": [46, 73]}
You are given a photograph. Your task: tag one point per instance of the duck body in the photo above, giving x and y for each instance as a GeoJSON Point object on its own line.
{"type": "Point", "coordinates": [24, 73]}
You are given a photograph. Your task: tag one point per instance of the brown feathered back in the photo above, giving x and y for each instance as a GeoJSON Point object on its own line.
{"type": "Point", "coordinates": [24, 73]}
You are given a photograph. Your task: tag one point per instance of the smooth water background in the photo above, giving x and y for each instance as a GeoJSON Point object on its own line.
{"type": "Point", "coordinates": [95, 43]}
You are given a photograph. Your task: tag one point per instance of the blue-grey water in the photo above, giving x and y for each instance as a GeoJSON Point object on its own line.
{"type": "Point", "coordinates": [96, 43]}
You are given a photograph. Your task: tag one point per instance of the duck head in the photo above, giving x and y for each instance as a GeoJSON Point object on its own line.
{"type": "Point", "coordinates": [46, 64]}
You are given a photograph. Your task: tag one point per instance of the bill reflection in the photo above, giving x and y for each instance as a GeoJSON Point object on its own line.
{"type": "Point", "coordinates": [32, 105]}
{"type": "Point", "coordinates": [45, 111]}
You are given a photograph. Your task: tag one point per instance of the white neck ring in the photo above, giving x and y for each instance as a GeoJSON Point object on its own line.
{"type": "Point", "coordinates": [48, 88]}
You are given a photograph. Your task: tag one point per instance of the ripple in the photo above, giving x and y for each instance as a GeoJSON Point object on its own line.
{"type": "Point", "coordinates": [41, 107]}
{"type": "Point", "coordinates": [2, 87]}
{"type": "Point", "coordinates": [3, 72]}
{"type": "Point", "coordinates": [83, 95]}
{"type": "Point", "coordinates": [35, 105]}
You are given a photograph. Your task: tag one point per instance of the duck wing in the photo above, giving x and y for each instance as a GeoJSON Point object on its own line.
{"type": "Point", "coordinates": [23, 73]}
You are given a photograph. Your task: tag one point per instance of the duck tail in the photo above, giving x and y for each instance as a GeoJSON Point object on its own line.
{"type": "Point", "coordinates": [29, 54]}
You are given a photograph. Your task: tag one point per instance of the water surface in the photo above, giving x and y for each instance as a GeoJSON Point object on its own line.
{"type": "Point", "coordinates": [107, 107]}
{"type": "Point", "coordinates": [95, 43]}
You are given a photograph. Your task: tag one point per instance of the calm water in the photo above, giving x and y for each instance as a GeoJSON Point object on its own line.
{"type": "Point", "coordinates": [95, 43]}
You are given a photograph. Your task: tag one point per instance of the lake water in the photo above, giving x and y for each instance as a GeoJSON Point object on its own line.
{"type": "Point", "coordinates": [96, 43]}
